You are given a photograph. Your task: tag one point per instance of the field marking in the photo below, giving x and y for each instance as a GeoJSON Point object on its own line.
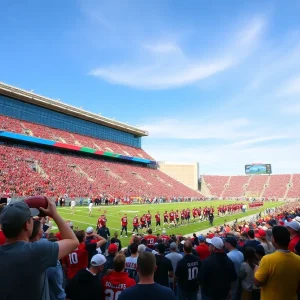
{"type": "Point", "coordinates": [130, 211]}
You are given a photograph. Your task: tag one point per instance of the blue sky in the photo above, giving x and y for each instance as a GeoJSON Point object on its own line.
{"type": "Point", "coordinates": [217, 82]}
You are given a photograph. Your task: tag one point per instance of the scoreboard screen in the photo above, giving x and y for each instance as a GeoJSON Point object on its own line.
{"type": "Point", "coordinates": [258, 169]}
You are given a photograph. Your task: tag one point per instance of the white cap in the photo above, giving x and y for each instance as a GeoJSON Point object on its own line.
{"type": "Point", "coordinates": [294, 225]}
{"type": "Point", "coordinates": [216, 241]}
{"type": "Point", "coordinates": [141, 248]}
{"type": "Point", "coordinates": [98, 260]}
{"type": "Point", "coordinates": [297, 219]}
{"type": "Point", "coordinates": [182, 242]}
{"type": "Point", "coordinates": [89, 230]}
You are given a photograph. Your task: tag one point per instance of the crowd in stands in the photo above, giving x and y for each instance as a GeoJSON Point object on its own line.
{"type": "Point", "coordinates": [259, 186]}
{"type": "Point", "coordinates": [26, 171]}
{"type": "Point", "coordinates": [49, 133]}
{"type": "Point", "coordinates": [255, 259]}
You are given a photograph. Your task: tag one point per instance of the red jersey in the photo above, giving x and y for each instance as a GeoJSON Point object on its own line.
{"type": "Point", "coordinates": [151, 240]}
{"type": "Point", "coordinates": [148, 217]}
{"type": "Point", "coordinates": [157, 217]}
{"type": "Point", "coordinates": [177, 215]}
{"type": "Point", "coordinates": [143, 220]}
{"type": "Point", "coordinates": [58, 235]}
{"type": "Point", "coordinates": [166, 216]}
{"type": "Point", "coordinates": [115, 283]}
{"type": "Point", "coordinates": [124, 221]}
{"type": "Point", "coordinates": [2, 238]}
{"type": "Point", "coordinates": [172, 216]}
{"type": "Point", "coordinates": [135, 221]}
{"type": "Point", "coordinates": [77, 260]}
{"type": "Point", "coordinates": [165, 238]}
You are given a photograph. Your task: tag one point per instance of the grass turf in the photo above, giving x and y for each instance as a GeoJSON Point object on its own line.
{"type": "Point", "coordinates": [114, 214]}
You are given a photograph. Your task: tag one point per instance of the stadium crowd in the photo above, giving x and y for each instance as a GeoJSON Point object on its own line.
{"type": "Point", "coordinates": [255, 259]}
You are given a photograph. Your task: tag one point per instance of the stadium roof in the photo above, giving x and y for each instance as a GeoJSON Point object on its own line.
{"type": "Point", "coordinates": [30, 97]}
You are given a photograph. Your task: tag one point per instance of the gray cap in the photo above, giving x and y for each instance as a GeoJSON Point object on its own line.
{"type": "Point", "coordinates": [173, 246]}
{"type": "Point", "coordinates": [14, 215]}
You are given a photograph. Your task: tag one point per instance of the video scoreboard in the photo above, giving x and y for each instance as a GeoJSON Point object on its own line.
{"type": "Point", "coordinates": [258, 169]}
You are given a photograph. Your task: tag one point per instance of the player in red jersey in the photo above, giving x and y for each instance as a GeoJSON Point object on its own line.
{"type": "Point", "coordinates": [182, 216]}
{"type": "Point", "coordinates": [101, 221]}
{"type": "Point", "coordinates": [172, 218]}
{"type": "Point", "coordinates": [124, 222]}
{"type": "Point", "coordinates": [78, 259]}
{"type": "Point", "coordinates": [177, 217]}
{"type": "Point", "coordinates": [151, 239]}
{"type": "Point", "coordinates": [143, 222]}
{"type": "Point", "coordinates": [148, 219]}
{"type": "Point", "coordinates": [117, 281]}
{"type": "Point", "coordinates": [157, 219]}
{"type": "Point", "coordinates": [166, 218]}
{"type": "Point", "coordinates": [135, 224]}
{"type": "Point", "coordinates": [195, 214]}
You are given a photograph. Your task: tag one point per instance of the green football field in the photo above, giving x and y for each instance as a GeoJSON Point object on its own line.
{"type": "Point", "coordinates": [114, 214]}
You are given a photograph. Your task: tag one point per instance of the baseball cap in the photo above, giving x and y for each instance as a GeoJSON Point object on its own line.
{"type": "Point", "coordinates": [14, 215]}
{"type": "Point", "coordinates": [297, 219]}
{"type": "Point", "coordinates": [294, 225]}
{"type": "Point", "coordinates": [201, 238]}
{"type": "Point", "coordinates": [216, 242]}
{"type": "Point", "coordinates": [112, 248]}
{"type": "Point", "coordinates": [89, 230]}
{"type": "Point", "coordinates": [260, 233]}
{"type": "Point", "coordinates": [98, 260]}
{"type": "Point", "coordinates": [173, 246]}
{"type": "Point", "coordinates": [141, 248]}
{"type": "Point", "coordinates": [231, 240]}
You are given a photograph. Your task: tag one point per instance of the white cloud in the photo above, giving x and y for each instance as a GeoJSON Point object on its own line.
{"type": "Point", "coordinates": [291, 87]}
{"type": "Point", "coordinates": [198, 129]}
{"type": "Point", "coordinates": [293, 109]}
{"type": "Point", "coordinates": [169, 66]}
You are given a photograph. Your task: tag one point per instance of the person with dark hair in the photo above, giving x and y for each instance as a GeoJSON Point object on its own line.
{"type": "Point", "coordinates": [237, 258]}
{"type": "Point", "coordinates": [37, 231]}
{"type": "Point", "coordinates": [278, 274]}
{"type": "Point", "coordinates": [151, 239]}
{"type": "Point", "coordinates": [115, 240]}
{"type": "Point", "coordinates": [217, 272]}
{"type": "Point", "coordinates": [147, 289]}
{"type": "Point", "coordinates": [78, 259]}
{"type": "Point", "coordinates": [246, 273]}
{"type": "Point", "coordinates": [252, 242]}
{"type": "Point", "coordinates": [131, 261]}
{"type": "Point", "coordinates": [86, 283]}
{"type": "Point", "coordinates": [164, 267]}
{"type": "Point", "coordinates": [18, 255]}
{"type": "Point", "coordinates": [187, 274]}
{"type": "Point", "coordinates": [117, 281]}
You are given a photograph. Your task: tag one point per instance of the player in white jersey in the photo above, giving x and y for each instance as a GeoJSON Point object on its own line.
{"type": "Point", "coordinates": [73, 203]}
{"type": "Point", "coordinates": [90, 209]}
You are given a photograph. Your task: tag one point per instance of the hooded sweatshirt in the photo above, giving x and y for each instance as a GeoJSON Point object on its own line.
{"type": "Point", "coordinates": [116, 282]}
{"type": "Point", "coordinates": [84, 285]}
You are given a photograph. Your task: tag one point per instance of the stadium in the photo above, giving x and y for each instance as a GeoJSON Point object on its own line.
{"type": "Point", "coordinates": [57, 150]}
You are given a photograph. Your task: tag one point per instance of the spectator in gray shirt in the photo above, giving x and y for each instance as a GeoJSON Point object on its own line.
{"type": "Point", "coordinates": [174, 257]}
{"type": "Point", "coordinates": [23, 264]}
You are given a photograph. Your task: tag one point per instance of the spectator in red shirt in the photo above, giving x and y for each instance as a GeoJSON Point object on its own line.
{"type": "Point", "coordinates": [294, 229]}
{"type": "Point", "coordinates": [151, 239]}
{"type": "Point", "coordinates": [78, 259]}
{"type": "Point", "coordinates": [118, 280]}
{"type": "Point", "coordinates": [202, 250]}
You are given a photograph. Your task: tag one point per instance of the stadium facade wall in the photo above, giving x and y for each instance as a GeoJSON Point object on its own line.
{"type": "Point", "coordinates": [186, 173]}
{"type": "Point", "coordinates": [40, 115]}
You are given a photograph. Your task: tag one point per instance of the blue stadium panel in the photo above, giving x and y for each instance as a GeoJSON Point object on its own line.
{"type": "Point", "coordinates": [40, 115]}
